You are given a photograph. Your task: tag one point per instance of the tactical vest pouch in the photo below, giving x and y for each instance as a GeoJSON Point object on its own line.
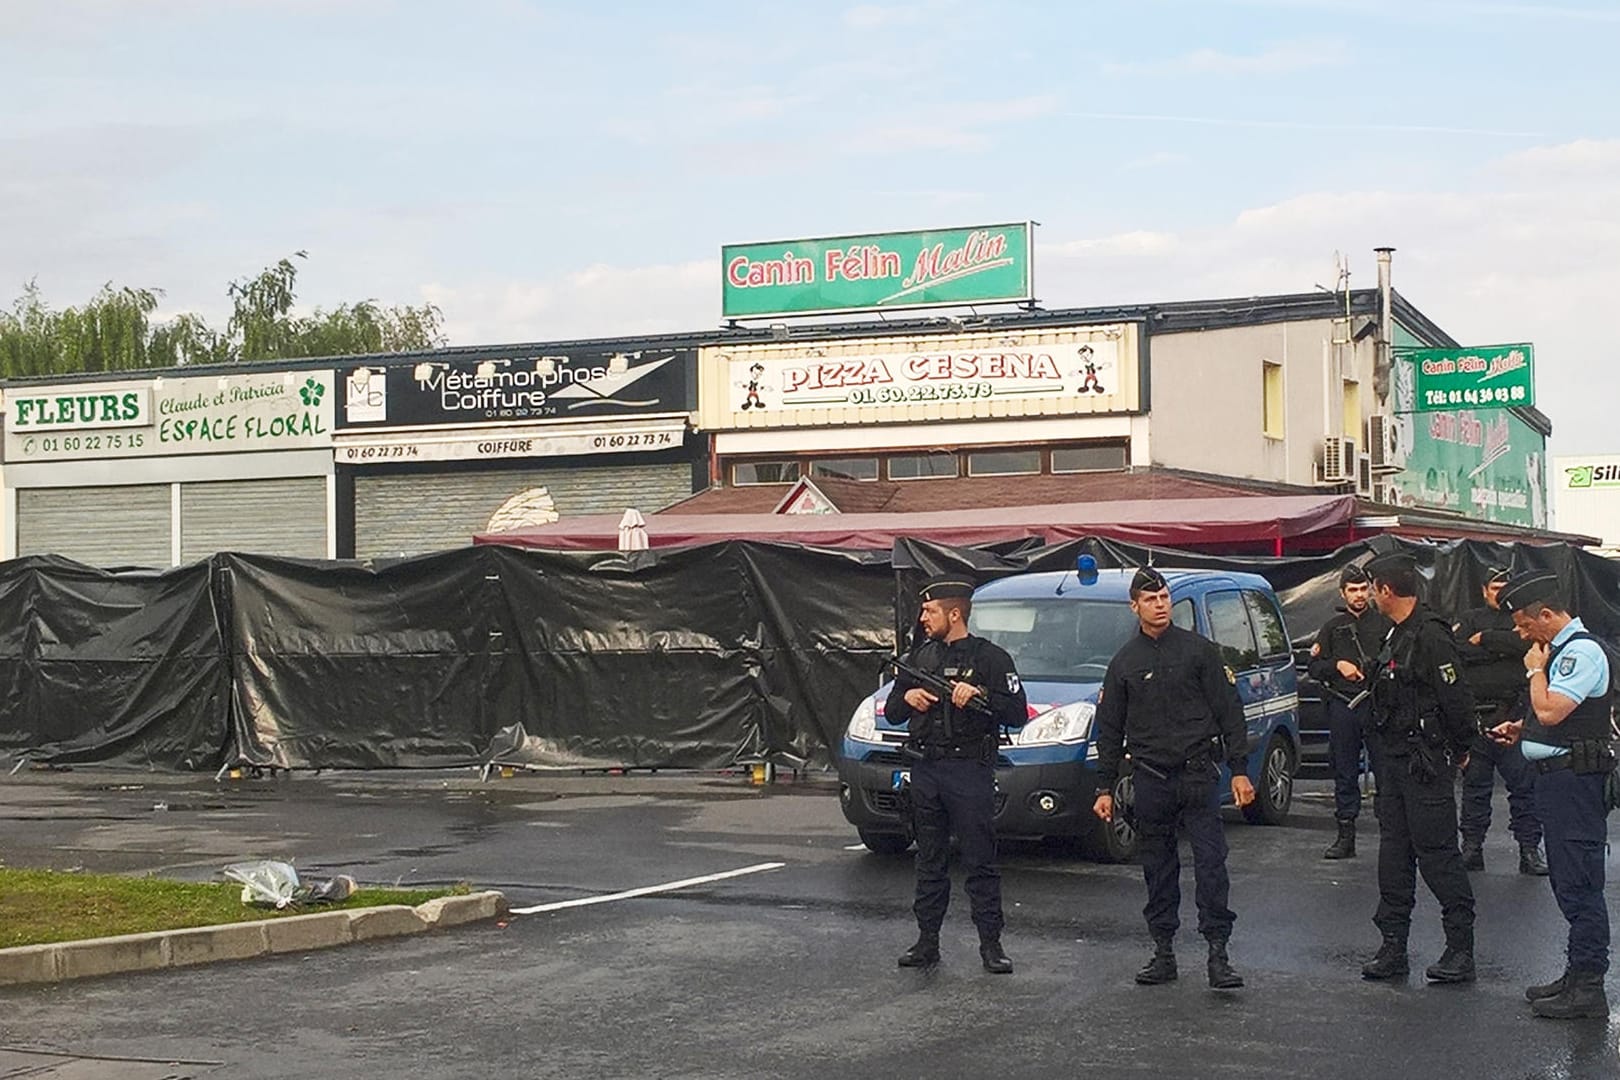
{"type": "Point", "coordinates": [1591, 756]}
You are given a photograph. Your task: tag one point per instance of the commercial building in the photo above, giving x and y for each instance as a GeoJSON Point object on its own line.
{"type": "Point", "coordinates": [1586, 496]}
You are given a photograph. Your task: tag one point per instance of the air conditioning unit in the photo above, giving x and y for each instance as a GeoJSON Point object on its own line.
{"type": "Point", "coordinates": [1338, 461]}
{"type": "Point", "coordinates": [1364, 475]}
{"type": "Point", "coordinates": [1384, 444]}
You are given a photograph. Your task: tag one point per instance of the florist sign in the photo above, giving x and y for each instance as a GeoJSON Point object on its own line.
{"type": "Point", "coordinates": [160, 417]}
{"type": "Point", "coordinates": [879, 271]}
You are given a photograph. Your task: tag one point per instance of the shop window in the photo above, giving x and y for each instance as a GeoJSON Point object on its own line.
{"type": "Point", "coordinates": [1004, 462]}
{"type": "Point", "coordinates": [1088, 459]}
{"type": "Point", "coordinates": [745, 473]}
{"type": "Point", "coordinates": [1272, 397]}
{"type": "Point", "coordinates": [922, 466]}
{"type": "Point", "coordinates": [845, 468]}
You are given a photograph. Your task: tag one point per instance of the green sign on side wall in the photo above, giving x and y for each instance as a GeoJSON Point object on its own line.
{"type": "Point", "coordinates": [880, 271]}
{"type": "Point", "coordinates": [1488, 377]}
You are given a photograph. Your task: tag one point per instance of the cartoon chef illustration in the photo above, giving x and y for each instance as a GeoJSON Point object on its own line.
{"type": "Point", "coordinates": [752, 399]}
{"type": "Point", "coordinates": [1088, 368]}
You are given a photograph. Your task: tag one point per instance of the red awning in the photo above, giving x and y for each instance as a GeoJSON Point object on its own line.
{"type": "Point", "coordinates": [1164, 522]}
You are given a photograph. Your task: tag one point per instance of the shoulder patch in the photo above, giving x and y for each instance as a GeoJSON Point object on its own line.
{"type": "Point", "coordinates": [1231, 676]}
{"type": "Point", "coordinates": [1013, 685]}
{"type": "Point", "coordinates": [1448, 673]}
{"type": "Point", "coordinates": [1566, 666]}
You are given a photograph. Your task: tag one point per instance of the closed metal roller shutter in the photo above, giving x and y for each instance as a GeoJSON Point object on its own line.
{"type": "Point", "coordinates": [261, 517]}
{"type": "Point", "coordinates": [102, 526]}
{"type": "Point", "coordinates": [411, 515]}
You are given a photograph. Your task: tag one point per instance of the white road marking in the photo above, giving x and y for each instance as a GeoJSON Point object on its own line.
{"type": "Point", "coordinates": [854, 847]}
{"type": "Point", "coordinates": [647, 890]}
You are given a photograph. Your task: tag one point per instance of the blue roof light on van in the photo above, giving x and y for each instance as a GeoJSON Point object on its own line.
{"type": "Point", "coordinates": [1087, 567]}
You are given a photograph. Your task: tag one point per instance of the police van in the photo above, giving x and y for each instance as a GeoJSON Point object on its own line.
{"type": "Point", "coordinates": [1061, 630]}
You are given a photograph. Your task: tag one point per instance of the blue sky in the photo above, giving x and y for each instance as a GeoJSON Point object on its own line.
{"type": "Point", "coordinates": [545, 170]}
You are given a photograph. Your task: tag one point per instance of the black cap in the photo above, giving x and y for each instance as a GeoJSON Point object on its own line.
{"type": "Point", "coordinates": [1390, 562]}
{"type": "Point", "coordinates": [1353, 575]}
{"type": "Point", "coordinates": [1526, 589]}
{"type": "Point", "coordinates": [1148, 579]}
{"type": "Point", "coordinates": [947, 587]}
{"type": "Point", "coordinates": [1498, 575]}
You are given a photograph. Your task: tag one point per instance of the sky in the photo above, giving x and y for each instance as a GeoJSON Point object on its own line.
{"type": "Point", "coordinates": [544, 171]}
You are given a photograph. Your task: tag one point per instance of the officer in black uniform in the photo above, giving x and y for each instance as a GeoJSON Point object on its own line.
{"type": "Point", "coordinates": [1341, 663]}
{"type": "Point", "coordinates": [1493, 663]}
{"type": "Point", "coordinates": [1423, 723]}
{"type": "Point", "coordinates": [1566, 737]}
{"type": "Point", "coordinates": [1170, 702]}
{"type": "Point", "coordinates": [953, 779]}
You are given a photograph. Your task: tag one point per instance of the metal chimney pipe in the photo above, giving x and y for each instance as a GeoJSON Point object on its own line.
{"type": "Point", "coordinates": [1386, 324]}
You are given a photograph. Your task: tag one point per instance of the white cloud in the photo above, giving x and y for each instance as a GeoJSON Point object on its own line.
{"type": "Point", "coordinates": [1282, 58]}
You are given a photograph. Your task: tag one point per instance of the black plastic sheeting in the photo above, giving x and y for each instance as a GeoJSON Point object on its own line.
{"type": "Point", "coordinates": [118, 667]}
{"type": "Point", "coordinates": [702, 657]}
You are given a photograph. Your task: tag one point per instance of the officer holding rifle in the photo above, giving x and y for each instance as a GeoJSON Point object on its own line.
{"type": "Point", "coordinates": [955, 694]}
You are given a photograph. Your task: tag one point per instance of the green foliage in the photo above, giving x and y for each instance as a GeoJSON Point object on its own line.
{"type": "Point", "coordinates": [114, 330]}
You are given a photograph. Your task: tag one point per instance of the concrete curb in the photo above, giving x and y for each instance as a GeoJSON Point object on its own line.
{"type": "Point", "coordinates": [239, 941]}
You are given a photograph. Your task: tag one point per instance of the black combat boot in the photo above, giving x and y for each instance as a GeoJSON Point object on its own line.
{"type": "Point", "coordinates": [923, 954]}
{"type": "Point", "coordinates": [1162, 968]}
{"type": "Point", "coordinates": [1345, 846]}
{"type": "Point", "coordinates": [1547, 990]}
{"type": "Point", "coordinates": [1222, 976]}
{"type": "Point", "coordinates": [1390, 961]}
{"type": "Point", "coordinates": [1456, 965]}
{"type": "Point", "coordinates": [994, 956]}
{"type": "Point", "coordinates": [1473, 854]}
{"type": "Point", "coordinates": [1530, 860]}
{"type": "Point", "coordinates": [1582, 998]}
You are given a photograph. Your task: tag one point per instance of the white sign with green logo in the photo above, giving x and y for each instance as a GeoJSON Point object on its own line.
{"type": "Point", "coordinates": [158, 417]}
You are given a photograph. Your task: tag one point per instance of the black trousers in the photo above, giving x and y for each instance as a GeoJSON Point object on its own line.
{"type": "Point", "coordinates": [1485, 759]}
{"type": "Point", "coordinates": [1184, 801]}
{"type": "Point", "coordinates": [1347, 730]}
{"type": "Point", "coordinates": [1577, 825]}
{"type": "Point", "coordinates": [1417, 831]}
{"type": "Point", "coordinates": [956, 795]}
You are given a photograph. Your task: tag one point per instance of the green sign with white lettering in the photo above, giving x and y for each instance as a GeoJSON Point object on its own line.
{"type": "Point", "coordinates": [1489, 377]}
{"type": "Point", "coordinates": [878, 272]}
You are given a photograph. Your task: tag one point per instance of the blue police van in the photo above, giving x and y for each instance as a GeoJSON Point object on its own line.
{"type": "Point", "coordinates": [1061, 630]}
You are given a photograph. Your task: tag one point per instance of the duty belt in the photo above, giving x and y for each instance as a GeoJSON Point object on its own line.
{"type": "Point", "coordinates": [1553, 764]}
{"type": "Point", "coordinates": [936, 751]}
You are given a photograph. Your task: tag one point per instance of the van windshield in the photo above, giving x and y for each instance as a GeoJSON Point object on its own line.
{"type": "Point", "coordinates": [1055, 640]}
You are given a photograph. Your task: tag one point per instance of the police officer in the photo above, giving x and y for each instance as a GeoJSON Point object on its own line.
{"type": "Point", "coordinates": [1423, 722]}
{"type": "Point", "coordinates": [953, 780]}
{"type": "Point", "coordinates": [1170, 702]}
{"type": "Point", "coordinates": [1341, 661]}
{"type": "Point", "coordinates": [1566, 739]}
{"type": "Point", "coordinates": [1492, 653]}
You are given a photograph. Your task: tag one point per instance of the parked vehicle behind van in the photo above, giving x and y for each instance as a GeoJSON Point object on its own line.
{"type": "Point", "coordinates": [1061, 630]}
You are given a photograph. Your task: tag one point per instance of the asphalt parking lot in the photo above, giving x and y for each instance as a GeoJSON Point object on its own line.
{"type": "Point", "coordinates": [780, 972]}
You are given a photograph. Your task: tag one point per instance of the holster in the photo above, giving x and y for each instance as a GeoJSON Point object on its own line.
{"type": "Point", "coordinates": [1426, 761]}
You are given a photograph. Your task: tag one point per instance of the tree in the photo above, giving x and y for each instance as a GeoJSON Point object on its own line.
{"type": "Point", "coordinates": [114, 331]}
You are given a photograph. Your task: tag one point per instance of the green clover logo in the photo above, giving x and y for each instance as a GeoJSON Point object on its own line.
{"type": "Point", "coordinates": [311, 392]}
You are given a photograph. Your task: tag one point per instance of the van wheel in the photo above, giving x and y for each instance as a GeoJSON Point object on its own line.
{"type": "Point", "coordinates": [1115, 841]}
{"type": "Point", "coordinates": [1276, 789]}
{"type": "Point", "coordinates": [884, 843]}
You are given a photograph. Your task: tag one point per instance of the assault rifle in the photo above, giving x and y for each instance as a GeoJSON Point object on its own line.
{"type": "Point", "coordinates": [939, 686]}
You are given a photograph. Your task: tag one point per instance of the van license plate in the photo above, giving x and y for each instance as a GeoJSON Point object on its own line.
{"type": "Point", "coordinates": [902, 777]}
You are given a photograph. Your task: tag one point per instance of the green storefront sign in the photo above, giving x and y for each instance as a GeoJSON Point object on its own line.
{"type": "Point", "coordinates": [880, 271]}
{"type": "Point", "coordinates": [1488, 377]}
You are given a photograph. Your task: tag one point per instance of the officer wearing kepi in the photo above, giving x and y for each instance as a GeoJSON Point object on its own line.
{"type": "Point", "coordinates": [1566, 737]}
{"type": "Point", "coordinates": [1341, 663]}
{"type": "Point", "coordinates": [953, 780]}
{"type": "Point", "coordinates": [1492, 654]}
{"type": "Point", "coordinates": [1170, 702]}
{"type": "Point", "coordinates": [1423, 722]}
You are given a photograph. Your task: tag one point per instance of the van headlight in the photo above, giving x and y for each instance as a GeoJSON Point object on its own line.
{"type": "Point", "coordinates": [1064, 724]}
{"type": "Point", "coordinates": [863, 725]}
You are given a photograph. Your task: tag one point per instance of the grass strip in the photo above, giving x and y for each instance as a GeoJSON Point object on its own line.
{"type": "Point", "coordinates": [39, 907]}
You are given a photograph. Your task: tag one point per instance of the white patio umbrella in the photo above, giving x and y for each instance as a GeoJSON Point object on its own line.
{"type": "Point", "coordinates": [632, 531]}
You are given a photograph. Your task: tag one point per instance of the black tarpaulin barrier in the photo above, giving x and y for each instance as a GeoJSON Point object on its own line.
{"type": "Point", "coordinates": [689, 658]}
{"type": "Point", "coordinates": [124, 667]}
{"type": "Point", "coordinates": [356, 666]}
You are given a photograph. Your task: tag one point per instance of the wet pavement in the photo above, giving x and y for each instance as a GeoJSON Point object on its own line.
{"type": "Point", "coordinates": [786, 972]}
